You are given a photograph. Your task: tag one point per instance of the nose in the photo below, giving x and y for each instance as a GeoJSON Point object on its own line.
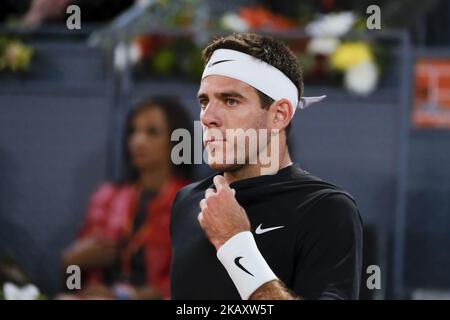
{"type": "Point", "coordinates": [210, 116]}
{"type": "Point", "coordinates": [137, 139]}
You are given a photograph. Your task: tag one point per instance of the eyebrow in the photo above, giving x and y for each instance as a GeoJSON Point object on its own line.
{"type": "Point", "coordinates": [223, 95]}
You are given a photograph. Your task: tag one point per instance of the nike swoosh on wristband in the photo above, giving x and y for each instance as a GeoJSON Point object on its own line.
{"type": "Point", "coordinates": [260, 230]}
{"type": "Point", "coordinates": [240, 266]}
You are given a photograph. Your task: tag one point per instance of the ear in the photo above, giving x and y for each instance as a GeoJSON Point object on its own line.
{"type": "Point", "coordinates": [281, 114]}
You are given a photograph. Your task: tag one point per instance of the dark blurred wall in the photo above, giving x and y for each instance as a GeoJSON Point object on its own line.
{"type": "Point", "coordinates": [54, 135]}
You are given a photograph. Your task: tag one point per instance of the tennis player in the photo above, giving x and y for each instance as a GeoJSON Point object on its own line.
{"type": "Point", "coordinates": [244, 232]}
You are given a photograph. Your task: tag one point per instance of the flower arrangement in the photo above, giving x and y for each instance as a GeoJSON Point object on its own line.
{"type": "Point", "coordinates": [324, 55]}
{"type": "Point", "coordinates": [14, 292]}
{"type": "Point", "coordinates": [161, 55]}
{"type": "Point", "coordinates": [354, 59]}
{"type": "Point", "coordinates": [14, 55]}
{"type": "Point", "coordinates": [15, 283]}
{"type": "Point", "coordinates": [255, 18]}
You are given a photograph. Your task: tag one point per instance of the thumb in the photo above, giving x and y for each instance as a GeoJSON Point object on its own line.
{"type": "Point", "coordinates": [220, 182]}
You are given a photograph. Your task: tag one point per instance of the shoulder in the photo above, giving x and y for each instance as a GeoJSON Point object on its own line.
{"type": "Point", "coordinates": [185, 204]}
{"type": "Point", "coordinates": [324, 202]}
{"type": "Point", "coordinates": [334, 214]}
{"type": "Point", "coordinates": [336, 206]}
{"type": "Point", "coordinates": [104, 191]}
{"type": "Point", "coordinates": [107, 191]}
{"type": "Point", "coordinates": [100, 205]}
{"type": "Point", "coordinates": [187, 192]}
{"type": "Point", "coordinates": [318, 195]}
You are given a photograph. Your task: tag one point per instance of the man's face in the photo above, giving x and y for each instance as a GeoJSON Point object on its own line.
{"type": "Point", "coordinates": [227, 103]}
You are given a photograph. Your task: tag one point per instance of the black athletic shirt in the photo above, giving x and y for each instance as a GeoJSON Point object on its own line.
{"type": "Point", "coordinates": [317, 253]}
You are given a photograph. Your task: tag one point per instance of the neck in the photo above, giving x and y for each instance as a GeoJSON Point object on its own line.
{"type": "Point", "coordinates": [254, 170]}
{"type": "Point", "coordinates": [153, 179]}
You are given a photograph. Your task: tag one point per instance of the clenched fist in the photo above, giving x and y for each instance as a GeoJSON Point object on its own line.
{"type": "Point", "coordinates": [221, 217]}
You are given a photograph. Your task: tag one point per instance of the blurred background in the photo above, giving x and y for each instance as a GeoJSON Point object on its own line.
{"type": "Point", "coordinates": [383, 133]}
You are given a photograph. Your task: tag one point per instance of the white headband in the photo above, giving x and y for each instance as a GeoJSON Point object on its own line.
{"type": "Point", "coordinates": [257, 73]}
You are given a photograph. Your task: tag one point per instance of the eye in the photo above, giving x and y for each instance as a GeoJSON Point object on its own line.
{"type": "Point", "coordinates": [153, 131]}
{"type": "Point", "coordinates": [203, 103]}
{"type": "Point", "coordinates": [231, 102]}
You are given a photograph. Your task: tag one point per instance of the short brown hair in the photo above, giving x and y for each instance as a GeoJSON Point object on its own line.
{"type": "Point", "coordinates": [267, 49]}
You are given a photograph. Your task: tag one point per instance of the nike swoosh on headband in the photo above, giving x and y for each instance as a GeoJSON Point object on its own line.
{"type": "Point", "coordinates": [258, 74]}
{"type": "Point", "coordinates": [217, 62]}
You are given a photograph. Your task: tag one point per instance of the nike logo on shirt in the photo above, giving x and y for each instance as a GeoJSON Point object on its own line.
{"type": "Point", "coordinates": [260, 230]}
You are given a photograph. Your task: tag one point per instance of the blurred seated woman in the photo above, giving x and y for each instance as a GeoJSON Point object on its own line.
{"type": "Point", "coordinates": [124, 247]}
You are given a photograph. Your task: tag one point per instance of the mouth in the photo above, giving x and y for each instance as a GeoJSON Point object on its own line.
{"type": "Point", "coordinates": [210, 140]}
{"type": "Point", "coordinates": [138, 154]}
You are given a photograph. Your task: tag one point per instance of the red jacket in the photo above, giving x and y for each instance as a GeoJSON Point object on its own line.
{"type": "Point", "coordinates": [110, 214]}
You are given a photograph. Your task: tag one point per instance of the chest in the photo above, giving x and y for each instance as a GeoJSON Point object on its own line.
{"type": "Point", "coordinates": [196, 271]}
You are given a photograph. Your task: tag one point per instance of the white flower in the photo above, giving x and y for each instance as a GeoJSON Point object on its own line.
{"type": "Point", "coordinates": [13, 292]}
{"type": "Point", "coordinates": [331, 25]}
{"type": "Point", "coordinates": [123, 52]}
{"type": "Point", "coordinates": [362, 78]}
{"type": "Point", "coordinates": [322, 45]}
{"type": "Point", "coordinates": [233, 22]}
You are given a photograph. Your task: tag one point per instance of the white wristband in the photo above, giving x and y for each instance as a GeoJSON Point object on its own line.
{"type": "Point", "coordinates": [244, 263]}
